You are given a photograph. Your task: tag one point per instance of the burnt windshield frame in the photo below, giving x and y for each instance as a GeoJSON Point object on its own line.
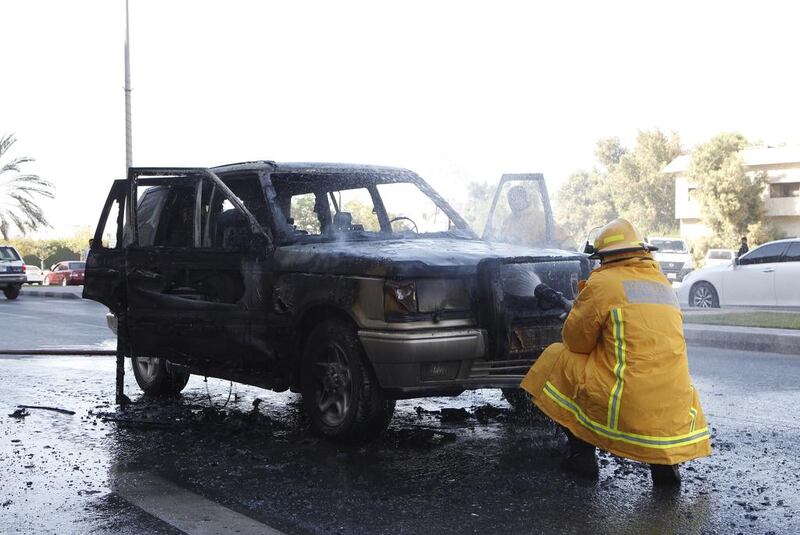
{"type": "Point", "coordinates": [297, 183]}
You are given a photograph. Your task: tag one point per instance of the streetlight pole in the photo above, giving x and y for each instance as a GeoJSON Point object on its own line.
{"type": "Point", "coordinates": [121, 399]}
{"type": "Point", "coordinates": [128, 130]}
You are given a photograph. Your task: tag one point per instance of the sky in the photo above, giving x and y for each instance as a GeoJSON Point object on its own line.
{"type": "Point", "coordinates": [457, 91]}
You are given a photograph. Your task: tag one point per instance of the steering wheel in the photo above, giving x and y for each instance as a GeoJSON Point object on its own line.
{"type": "Point", "coordinates": [399, 218]}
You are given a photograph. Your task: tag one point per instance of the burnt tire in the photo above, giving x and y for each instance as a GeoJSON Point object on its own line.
{"type": "Point", "coordinates": [703, 295]}
{"type": "Point", "coordinates": [11, 292]}
{"type": "Point", "coordinates": [156, 379]}
{"type": "Point", "coordinates": [341, 394]}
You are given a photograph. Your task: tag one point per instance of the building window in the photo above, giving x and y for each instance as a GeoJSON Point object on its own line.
{"type": "Point", "coordinates": [692, 194]}
{"type": "Point", "coordinates": [785, 189]}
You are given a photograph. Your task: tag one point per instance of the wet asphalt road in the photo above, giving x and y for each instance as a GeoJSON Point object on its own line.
{"type": "Point", "coordinates": [489, 472]}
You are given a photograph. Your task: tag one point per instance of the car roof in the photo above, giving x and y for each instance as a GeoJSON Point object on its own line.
{"type": "Point", "coordinates": [311, 168]}
{"type": "Point", "coordinates": [784, 240]}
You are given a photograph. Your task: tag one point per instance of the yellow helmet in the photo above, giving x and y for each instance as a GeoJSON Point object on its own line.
{"type": "Point", "coordinates": [619, 236]}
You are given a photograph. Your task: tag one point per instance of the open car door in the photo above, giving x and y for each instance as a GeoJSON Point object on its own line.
{"type": "Point", "coordinates": [521, 214]}
{"type": "Point", "coordinates": [105, 264]}
{"type": "Point", "coordinates": [195, 265]}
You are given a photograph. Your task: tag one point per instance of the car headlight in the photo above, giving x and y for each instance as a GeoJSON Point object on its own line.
{"type": "Point", "coordinates": [399, 298]}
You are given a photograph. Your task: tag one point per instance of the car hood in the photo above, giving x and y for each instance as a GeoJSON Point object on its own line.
{"type": "Point", "coordinates": [708, 272]}
{"type": "Point", "coordinates": [402, 257]}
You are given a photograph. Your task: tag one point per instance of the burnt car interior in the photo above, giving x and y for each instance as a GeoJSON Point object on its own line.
{"type": "Point", "coordinates": [324, 207]}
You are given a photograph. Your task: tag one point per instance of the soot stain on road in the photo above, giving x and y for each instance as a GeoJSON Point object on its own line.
{"type": "Point", "coordinates": [473, 468]}
{"type": "Point", "coordinates": [446, 465]}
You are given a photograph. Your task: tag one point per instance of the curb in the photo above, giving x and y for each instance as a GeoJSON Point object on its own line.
{"type": "Point", "coordinates": [55, 295]}
{"type": "Point", "coordinates": [783, 341]}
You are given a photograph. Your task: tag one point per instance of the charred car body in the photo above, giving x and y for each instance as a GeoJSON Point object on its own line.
{"type": "Point", "coordinates": [355, 285]}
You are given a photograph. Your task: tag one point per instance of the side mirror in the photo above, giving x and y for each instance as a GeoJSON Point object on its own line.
{"type": "Point", "coordinates": [588, 248]}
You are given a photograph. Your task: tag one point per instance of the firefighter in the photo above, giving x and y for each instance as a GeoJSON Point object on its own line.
{"type": "Point", "coordinates": [525, 225]}
{"type": "Point", "coordinates": [620, 378]}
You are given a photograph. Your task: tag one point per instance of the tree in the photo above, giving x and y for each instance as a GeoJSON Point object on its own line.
{"type": "Point", "coordinates": [730, 198]}
{"type": "Point", "coordinates": [609, 151]}
{"type": "Point", "coordinates": [19, 192]}
{"type": "Point", "coordinates": [641, 193]}
{"type": "Point", "coordinates": [584, 202]}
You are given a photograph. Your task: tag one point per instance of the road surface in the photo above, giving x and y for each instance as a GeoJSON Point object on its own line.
{"type": "Point", "coordinates": [203, 465]}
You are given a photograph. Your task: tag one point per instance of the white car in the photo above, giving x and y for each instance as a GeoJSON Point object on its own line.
{"type": "Point", "coordinates": [35, 274]}
{"type": "Point", "coordinates": [719, 257]}
{"type": "Point", "coordinates": [674, 257]}
{"type": "Point", "coordinates": [766, 276]}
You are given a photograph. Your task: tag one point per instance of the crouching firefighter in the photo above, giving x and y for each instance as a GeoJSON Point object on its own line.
{"type": "Point", "coordinates": [620, 378]}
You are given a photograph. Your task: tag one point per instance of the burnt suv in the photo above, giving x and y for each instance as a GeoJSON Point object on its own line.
{"type": "Point", "coordinates": [354, 285]}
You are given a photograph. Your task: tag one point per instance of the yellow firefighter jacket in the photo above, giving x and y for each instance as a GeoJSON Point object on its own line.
{"type": "Point", "coordinates": [620, 379]}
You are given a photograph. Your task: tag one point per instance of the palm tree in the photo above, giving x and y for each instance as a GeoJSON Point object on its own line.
{"type": "Point", "coordinates": [19, 193]}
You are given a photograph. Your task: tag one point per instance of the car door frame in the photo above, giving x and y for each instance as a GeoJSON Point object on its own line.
{"type": "Point", "coordinates": [105, 266]}
{"type": "Point", "coordinates": [789, 271]}
{"type": "Point", "coordinates": [538, 178]}
{"type": "Point", "coordinates": [184, 326]}
{"type": "Point", "coordinates": [762, 271]}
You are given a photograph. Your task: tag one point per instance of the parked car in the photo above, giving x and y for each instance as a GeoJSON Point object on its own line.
{"type": "Point", "coordinates": [766, 276]}
{"type": "Point", "coordinates": [12, 271]}
{"type": "Point", "coordinates": [34, 274]}
{"type": "Point", "coordinates": [719, 257]}
{"type": "Point", "coordinates": [354, 285]}
{"type": "Point", "coordinates": [66, 273]}
{"type": "Point", "coordinates": [673, 256]}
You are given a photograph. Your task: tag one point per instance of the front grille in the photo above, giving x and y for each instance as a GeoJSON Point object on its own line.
{"type": "Point", "coordinates": [671, 267]}
{"type": "Point", "coordinates": [528, 338]}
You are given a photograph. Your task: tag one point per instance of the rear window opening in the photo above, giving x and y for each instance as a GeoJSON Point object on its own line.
{"type": "Point", "coordinates": [8, 254]}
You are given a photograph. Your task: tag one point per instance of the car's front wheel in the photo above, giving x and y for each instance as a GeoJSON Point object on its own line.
{"type": "Point", "coordinates": [341, 394]}
{"type": "Point", "coordinates": [155, 378]}
{"type": "Point", "coordinates": [11, 292]}
{"type": "Point", "coordinates": [703, 295]}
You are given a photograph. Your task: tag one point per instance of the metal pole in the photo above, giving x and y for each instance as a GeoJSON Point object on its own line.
{"type": "Point", "coordinates": [75, 352]}
{"type": "Point", "coordinates": [128, 128]}
{"type": "Point", "coordinates": [121, 399]}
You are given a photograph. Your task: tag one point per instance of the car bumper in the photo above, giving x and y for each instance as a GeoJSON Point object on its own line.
{"type": "Point", "coordinates": [437, 362]}
{"type": "Point", "coordinates": [682, 294]}
{"type": "Point", "coordinates": [12, 280]}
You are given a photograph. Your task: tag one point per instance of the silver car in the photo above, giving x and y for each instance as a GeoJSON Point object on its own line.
{"type": "Point", "coordinates": [12, 271]}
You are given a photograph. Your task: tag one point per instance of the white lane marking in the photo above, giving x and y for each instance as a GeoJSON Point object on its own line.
{"type": "Point", "coordinates": [183, 509]}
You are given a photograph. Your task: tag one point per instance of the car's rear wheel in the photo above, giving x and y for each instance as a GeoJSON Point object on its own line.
{"type": "Point", "coordinates": [11, 292]}
{"type": "Point", "coordinates": [703, 295]}
{"type": "Point", "coordinates": [341, 394]}
{"type": "Point", "coordinates": [155, 378]}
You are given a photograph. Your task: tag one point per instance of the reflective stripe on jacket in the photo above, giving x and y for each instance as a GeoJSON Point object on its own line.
{"type": "Point", "coordinates": [620, 379]}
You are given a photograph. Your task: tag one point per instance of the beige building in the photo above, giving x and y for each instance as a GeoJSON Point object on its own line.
{"type": "Point", "coordinates": [781, 196]}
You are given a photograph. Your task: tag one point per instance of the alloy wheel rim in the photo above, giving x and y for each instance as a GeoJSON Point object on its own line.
{"type": "Point", "coordinates": [148, 367]}
{"type": "Point", "coordinates": [333, 384]}
{"type": "Point", "coordinates": [703, 297]}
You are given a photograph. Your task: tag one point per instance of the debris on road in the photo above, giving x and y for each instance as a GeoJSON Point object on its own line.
{"type": "Point", "coordinates": [19, 413]}
{"type": "Point", "coordinates": [53, 409]}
